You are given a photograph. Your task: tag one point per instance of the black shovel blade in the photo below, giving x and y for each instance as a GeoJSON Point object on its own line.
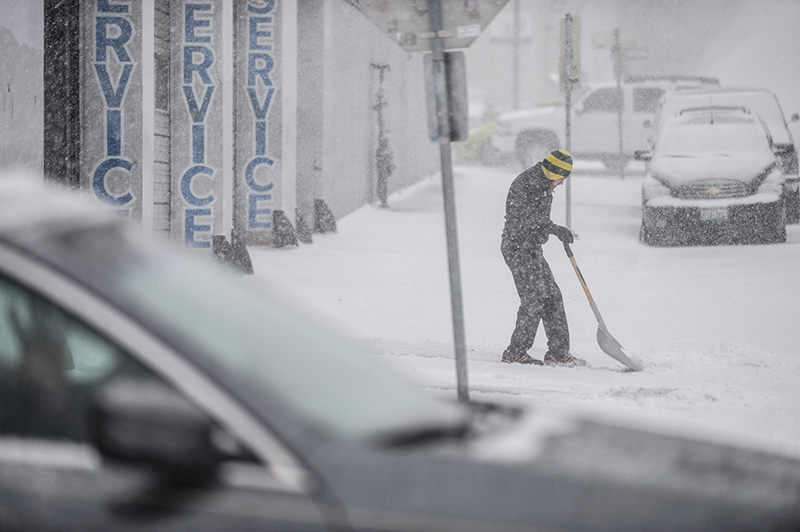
{"type": "Point", "coordinates": [612, 348]}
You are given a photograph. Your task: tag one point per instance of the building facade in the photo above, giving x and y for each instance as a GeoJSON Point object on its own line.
{"type": "Point", "coordinates": [204, 118]}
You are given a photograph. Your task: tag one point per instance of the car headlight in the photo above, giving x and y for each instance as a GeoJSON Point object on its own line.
{"type": "Point", "coordinates": [773, 183]}
{"type": "Point", "coordinates": [653, 188]}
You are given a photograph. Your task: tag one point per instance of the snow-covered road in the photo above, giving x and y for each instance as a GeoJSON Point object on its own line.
{"type": "Point", "coordinates": [716, 329]}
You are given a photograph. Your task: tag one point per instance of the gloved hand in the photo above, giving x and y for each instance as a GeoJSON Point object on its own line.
{"type": "Point", "coordinates": [563, 234]}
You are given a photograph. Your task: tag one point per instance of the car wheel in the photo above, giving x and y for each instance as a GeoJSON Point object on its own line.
{"type": "Point", "coordinates": [653, 238]}
{"type": "Point", "coordinates": [488, 155]}
{"type": "Point", "coordinates": [648, 234]}
{"type": "Point", "coordinates": [532, 147]}
{"type": "Point", "coordinates": [616, 163]}
{"type": "Point", "coordinates": [774, 228]}
{"type": "Point", "coordinates": [792, 202]}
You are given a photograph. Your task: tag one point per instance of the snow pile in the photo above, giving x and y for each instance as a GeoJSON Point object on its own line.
{"type": "Point", "coordinates": [715, 328]}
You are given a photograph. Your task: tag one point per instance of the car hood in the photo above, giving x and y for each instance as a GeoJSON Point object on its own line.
{"type": "Point", "coordinates": [681, 170]}
{"type": "Point", "coordinates": [568, 472]}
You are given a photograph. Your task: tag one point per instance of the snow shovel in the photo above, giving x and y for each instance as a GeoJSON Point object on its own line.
{"type": "Point", "coordinates": [607, 343]}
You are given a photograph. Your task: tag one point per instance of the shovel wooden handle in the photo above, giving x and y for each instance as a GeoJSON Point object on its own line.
{"type": "Point", "coordinates": [592, 304]}
{"type": "Point", "coordinates": [568, 249]}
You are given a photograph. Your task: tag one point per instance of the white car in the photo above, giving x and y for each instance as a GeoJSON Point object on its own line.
{"type": "Point", "coordinates": [713, 178]}
{"type": "Point", "coordinates": [530, 134]}
{"type": "Point", "coordinates": [761, 102]}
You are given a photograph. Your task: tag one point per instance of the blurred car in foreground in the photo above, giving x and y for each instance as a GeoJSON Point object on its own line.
{"type": "Point", "coordinates": [713, 178]}
{"type": "Point", "coordinates": [142, 388]}
{"type": "Point", "coordinates": [758, 101]}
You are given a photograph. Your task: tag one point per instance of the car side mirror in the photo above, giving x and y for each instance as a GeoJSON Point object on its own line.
{"type": "Point", "coordinates": [642, 155]}
{"type": "Point", "coordinates": [647, 124]}
{"type": "Point", "coordinates": [145, 423]}
{"type": "Point", "coordinates": [795, 117]}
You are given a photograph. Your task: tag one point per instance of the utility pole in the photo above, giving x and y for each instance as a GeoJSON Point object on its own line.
{"type": "Point", "coordinates": [515, 88]}
{"type": "Point", "coordinates": [616, 52]}
{"type": "Point", "coordinates": [568, 106]}
{"type": "Point", "coordinates": [570, 65]}
{"type": "Point", "coordinates": [383, 154]}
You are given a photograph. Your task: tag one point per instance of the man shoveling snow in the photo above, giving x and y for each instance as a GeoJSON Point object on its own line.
{"type": "Point", "coordinates": [527, 227]}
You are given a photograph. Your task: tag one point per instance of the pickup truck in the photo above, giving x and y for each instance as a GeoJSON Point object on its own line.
{"type": "Point", "coordinates": [595, 121]}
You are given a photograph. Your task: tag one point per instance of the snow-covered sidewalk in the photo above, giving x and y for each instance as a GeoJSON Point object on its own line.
{"type": "Point", "coordinates": [715, 328]}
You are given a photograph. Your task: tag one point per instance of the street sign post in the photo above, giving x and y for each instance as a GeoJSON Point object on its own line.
{"type": "Point", "coordinates": [570, 43]}
{"type": "Point", "coordinates": [570, 79]}
{"type": "Point", "coordinates": [434, 26]}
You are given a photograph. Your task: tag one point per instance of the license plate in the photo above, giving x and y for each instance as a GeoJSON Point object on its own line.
{"type": "Point", "coordinates": [715, 214]}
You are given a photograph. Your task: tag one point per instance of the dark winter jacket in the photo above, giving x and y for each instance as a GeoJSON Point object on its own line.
{"type": "Point", "coordinates": [528, 204]}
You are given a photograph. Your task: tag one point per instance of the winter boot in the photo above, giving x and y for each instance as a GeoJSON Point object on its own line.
{"type": "Point", "coordinates": [563, 360]}
{"type": "Point", "coordinates": [522, 358]}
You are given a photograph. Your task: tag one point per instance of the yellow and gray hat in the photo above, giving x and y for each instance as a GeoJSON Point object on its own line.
{"type": "Point", "coordinates": [557, 165]}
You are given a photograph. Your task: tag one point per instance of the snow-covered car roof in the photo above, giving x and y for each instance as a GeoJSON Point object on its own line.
{"type": "Point", "coordinates": [760, 101]}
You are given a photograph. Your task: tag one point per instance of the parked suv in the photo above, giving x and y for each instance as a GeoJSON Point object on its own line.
{"type": "Point", "coordinates": [532, 133]}
{"type": "Point", "coordinates": [761, 102]}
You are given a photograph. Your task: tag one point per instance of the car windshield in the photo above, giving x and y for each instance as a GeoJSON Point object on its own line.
{"type": "Point", "coordinates": [700, 137]}
{"type": "Point", "coordinates": [761, 103]}
{"type": "Point", "coordinates": [250, 334]}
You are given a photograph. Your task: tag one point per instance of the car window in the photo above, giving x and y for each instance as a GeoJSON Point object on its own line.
{"type": "Point", "coordinates": [645, 99]}
{"type": "Point", "coordinates": [255, 345]}
{"type": "Point", "coordinates": [608, 100]}
{"type": "Point", "coordinates": [50, 364]}
{"type": "Point", "coordinates": [272, 347]}
{"type": "Point", "coordinates": [727, 136]}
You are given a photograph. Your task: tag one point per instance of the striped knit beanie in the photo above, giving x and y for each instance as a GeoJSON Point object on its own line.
{"type": "Point", "coordinates": [557, 165]}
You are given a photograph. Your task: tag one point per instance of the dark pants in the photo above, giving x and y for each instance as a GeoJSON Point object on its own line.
{"type": "Point", "coordinates": [540, 300]}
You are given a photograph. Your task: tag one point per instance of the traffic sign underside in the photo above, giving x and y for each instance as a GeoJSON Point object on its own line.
{"type": "Point", "coordinates": [407, 22]}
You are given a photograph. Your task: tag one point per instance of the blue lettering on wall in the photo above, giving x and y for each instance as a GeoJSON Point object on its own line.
{"type": "Point", "coordinates": [114, 132]}
{"type": "Point", "coordinates": [99, 181]}
{"type": "Point", "coordinates": [198, 143]}
{"type": "Point", "coordinates": [113, 33]}
{"type": "Point", "coordinates": [260, 91]}
{"type": "Point", "coordinates": [198, 61]}
{"type": "Point", "coordinates": [190, 227]}
{"type": "Point", "coordinates": [254, 211]}
{"type": "Point", "coordinates": [113, 95]}
{"type": "Point", "coordinates": [103, 41]}
{"type": "Point", "coordinates": [201, 68]}
{"type": "Point", "coordinates": [260, 108]}
{"type": "Point", "coordinates": [249, 174]}
{"type": "Point", "coordinates": [261, 7]}
{"type": "Point", "coordinates": [198, 113]}
{"type": "Point", "coordinates": [104, 7]}
{"type": "Point", "coordinates": [186, 185]}
{"type": "Point", "coordinates": [256, 33]}
{"type": "Point", "coordinates": [260, 65]}
{"type": "Point", "coordinates": [191, 23]}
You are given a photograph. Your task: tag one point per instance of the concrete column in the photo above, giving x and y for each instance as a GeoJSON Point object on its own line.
{"type": "Point", "coordinates": [289, 49]}
{"type": "Point", "coordinates": [310, 109]}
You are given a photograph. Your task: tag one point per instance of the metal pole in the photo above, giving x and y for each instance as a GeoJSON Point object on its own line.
{"type": "Point", "coordinates": [568, 109]}
{"type": "Point", "coordinates": [620, 97]}
{"type": "Point", "coordinates": [516, 74]}
{"type": "Point", "coordinates": [440, 86]}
